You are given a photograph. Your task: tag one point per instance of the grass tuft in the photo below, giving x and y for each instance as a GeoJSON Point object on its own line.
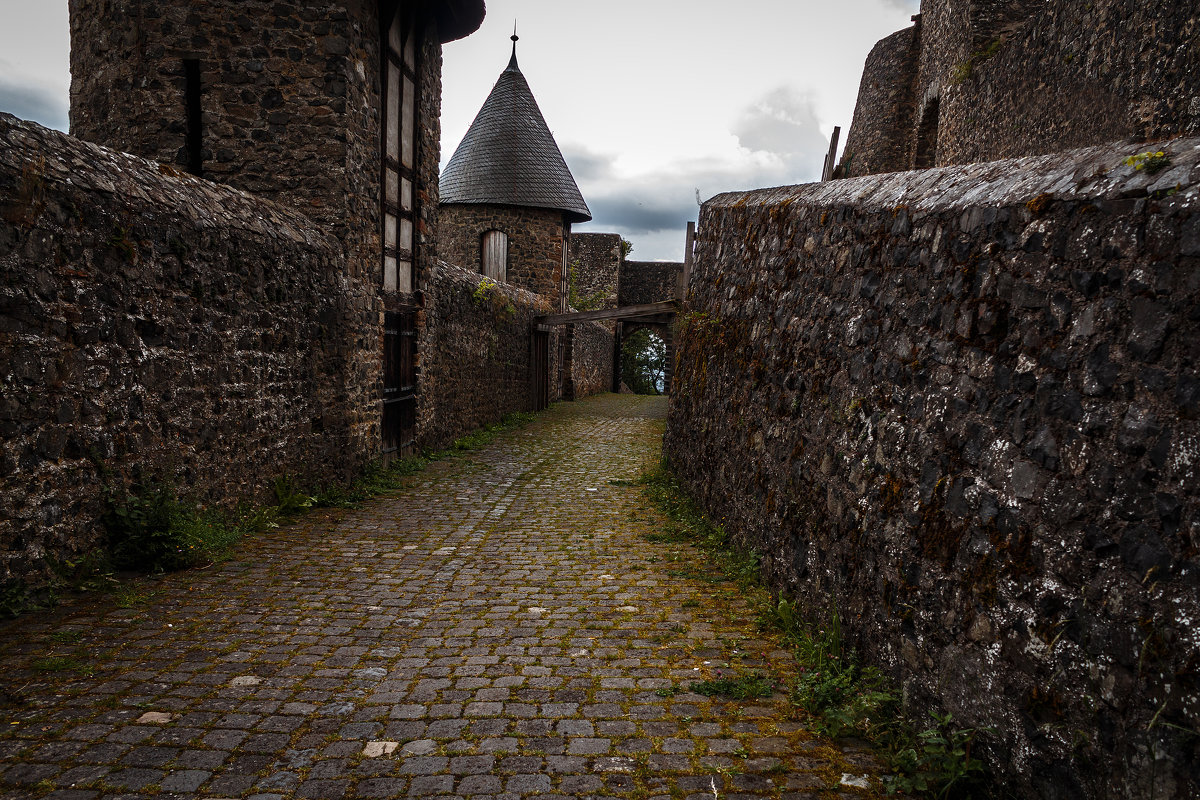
{"type": "Point", "coordinates": [843, 696]}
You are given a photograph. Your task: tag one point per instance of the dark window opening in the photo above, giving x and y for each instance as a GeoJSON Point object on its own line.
{"type": "Point", "coordinates": [927, 135]}
{"type": "Point", "coordinates": [193, 130]}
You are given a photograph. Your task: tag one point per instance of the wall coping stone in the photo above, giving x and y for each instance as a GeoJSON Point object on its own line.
{"type": "Point", "coordinates": [73, 162]}
{"type": "Point", "coordinates": [1096, 172]}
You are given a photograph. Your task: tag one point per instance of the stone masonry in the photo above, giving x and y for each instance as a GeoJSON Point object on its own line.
{"type": "Point", "coordinates": [595, 264]}
{"type": "Point", "coordinates": [502, 627]}
{"type": "Point", "coordinates": [987, 79]}
{"type": "Point", "coordinates": [157, 324]}
{"type": "Point", "coordinates": [536, 238]}
{"type": "Point", "coordinates": [962, 407]}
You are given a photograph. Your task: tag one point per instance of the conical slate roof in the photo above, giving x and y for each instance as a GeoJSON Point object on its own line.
{"type": "Point", "coordinates": [509, 156]}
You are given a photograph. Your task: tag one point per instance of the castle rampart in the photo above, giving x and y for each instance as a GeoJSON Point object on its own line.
{"type": "Point", "coordinates": [961, 407]}
{"type": "Point", "coordinates": [162, 325]}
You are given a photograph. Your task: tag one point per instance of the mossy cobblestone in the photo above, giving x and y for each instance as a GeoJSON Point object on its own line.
{"type": "Point", "coordinates": [501, 627]}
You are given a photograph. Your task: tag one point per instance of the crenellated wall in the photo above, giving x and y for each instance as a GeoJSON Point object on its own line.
{"type": "Point", "coordinates": [962, 406]}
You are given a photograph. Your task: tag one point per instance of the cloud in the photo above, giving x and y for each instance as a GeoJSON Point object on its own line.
{"type": "Point", "coordinates": [586, 164]}
{"type": "Point", "coordinates": [775, 140]}
{"type": "Point", "coordinates": [31, 102]}
{"type": "Point", "coordinates": [911, 6]}
{"type": "Point", "coordinates": [783, 123]}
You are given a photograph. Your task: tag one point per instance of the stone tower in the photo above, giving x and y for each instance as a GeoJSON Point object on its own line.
{"type": "Point", "coordinates": [507, 197]}
{"type": "Point", "coordinates": [331, 107]}
{"type": "Point", "coordinates": [283, 99]}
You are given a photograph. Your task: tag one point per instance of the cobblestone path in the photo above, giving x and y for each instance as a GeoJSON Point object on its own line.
{"type": "Point", "coordinates": [500, 628]}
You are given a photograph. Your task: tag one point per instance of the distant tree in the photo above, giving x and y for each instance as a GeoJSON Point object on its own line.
{"type": "Point", "coordinates": [626, 247]}
{"type": "Point", "coordinates": [644, 362]}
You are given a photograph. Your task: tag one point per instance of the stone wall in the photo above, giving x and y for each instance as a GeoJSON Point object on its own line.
{"type": "Point", "coordinates": [477, 366]}
{"type": "Point", "coordinates": [880, 135]}
{"type": "Point", "coordinates": [962, 406]}
{"type": "Point", "coordinates": [535, 243]}
{"type": "Point", "coordinates": [155, 322]}
{"type": "Point", "coordinates": [595, 267]}
{"type": "Point", "coordinates": [291, 112]}
{"type": "Point", "coordinates": [648, 281]}
{"type": "Point", "coordinates": [1075, 74]}
{"type": "Point", "coordinates": [1002, 78]}
{"type": "Point", "coordinates": [591, 350]}
{"type": "Point", "coordinates": [287, 90]}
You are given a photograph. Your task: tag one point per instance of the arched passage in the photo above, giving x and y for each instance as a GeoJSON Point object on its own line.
{"type": "Point", "coordinates": [643, 356]}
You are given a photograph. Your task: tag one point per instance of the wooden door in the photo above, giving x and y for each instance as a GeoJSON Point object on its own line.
{"type": "Point", "coordinates": [399, 382]}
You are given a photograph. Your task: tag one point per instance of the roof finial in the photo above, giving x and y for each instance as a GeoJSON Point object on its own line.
{"type": "Point", "coordinates": [512, 62]}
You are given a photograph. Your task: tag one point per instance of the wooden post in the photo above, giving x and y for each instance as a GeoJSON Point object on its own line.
{"type": "Point", "coordinates": [831, 156]}
{"type": "Point", "coordinates": [685, 275]}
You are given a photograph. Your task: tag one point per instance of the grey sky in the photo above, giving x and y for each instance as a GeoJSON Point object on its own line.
{"type": "Point", "coordinates": [650, 101]}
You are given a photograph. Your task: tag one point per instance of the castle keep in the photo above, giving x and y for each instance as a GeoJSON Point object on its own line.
{"type": "Point", "coordinates": [977, 80]}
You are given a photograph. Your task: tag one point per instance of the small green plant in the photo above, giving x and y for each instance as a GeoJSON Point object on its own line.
{"type": "Point", "coordinates": [14, 597]}
{"type": "Point", "coordinates": [288, 497]}
{"type": "Point", "coordinates": [744, 687]}
{"type": "Point", "coordinates": [150, 529]}
{"type": "Point", "coordinates": [119, 240]}
{"type": "Point", "coordinates": [1151, 162]}
{"type": "Point", "coordinates": [488, 295]}
{"type": "Point", "coordinates": [938, 763]}
{"type": "Point", "coordinates": [668, 691]}
{"type": "Point", "coordinates": [964, 70]}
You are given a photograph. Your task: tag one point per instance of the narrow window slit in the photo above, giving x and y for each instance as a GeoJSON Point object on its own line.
{"type": "Point", "coordinates": [193, 130]}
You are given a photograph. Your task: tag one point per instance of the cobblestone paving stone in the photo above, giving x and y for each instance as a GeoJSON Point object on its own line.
{"type": "Point", "coordinates": [500, 628]}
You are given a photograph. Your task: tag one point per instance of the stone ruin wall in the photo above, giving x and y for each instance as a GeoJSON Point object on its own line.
{"type": "Point", "coordinates": [962, 406]}
{"type": "Point", "coordinates": [1026, 77]}
{"type": "Point", "coordinates": [155, 323]}
{"type": "Point", "coordinates": [479, 367]}
{"type": "Point", "coordinates": [594, 264]}
{"type": "Point", "coordinates": [879, 137]}
{"type": "Point", "coordinates": [1074, 74]}
{"type": "Point", "coordinates": [648, 281]}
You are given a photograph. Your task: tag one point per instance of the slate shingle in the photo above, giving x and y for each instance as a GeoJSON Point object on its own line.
{"type": "Point", "coordinates": [509, 156]}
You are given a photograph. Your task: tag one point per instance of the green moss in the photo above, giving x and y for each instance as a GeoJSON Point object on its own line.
{"type": "Point", "coordinates": [964, 70]}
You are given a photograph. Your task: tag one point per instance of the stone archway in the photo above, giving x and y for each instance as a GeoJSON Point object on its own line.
{"type": "Point", "coordinates": [627, 328]}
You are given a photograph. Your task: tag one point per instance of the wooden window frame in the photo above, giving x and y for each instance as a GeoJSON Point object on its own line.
{"type": "Point", "coordinates": [398, 184]}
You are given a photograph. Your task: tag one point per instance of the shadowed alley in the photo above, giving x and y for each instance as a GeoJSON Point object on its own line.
{"type": "Point", "coordinates": [501, 627]}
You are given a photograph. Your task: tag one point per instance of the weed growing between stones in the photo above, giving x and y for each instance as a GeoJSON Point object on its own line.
{"type": "Point", "coordinates": [1151, 162]}
{"type": "Point", "coordinates": [937, 762]}
{"type": "Point", "coordinates": [488, 295]}
{"type": "Point", "coordinates": [152, 529]}
{"type": "Point", "coordinates": [844, 697]}
{"type": "Point", "coordinates": [745, 687]}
